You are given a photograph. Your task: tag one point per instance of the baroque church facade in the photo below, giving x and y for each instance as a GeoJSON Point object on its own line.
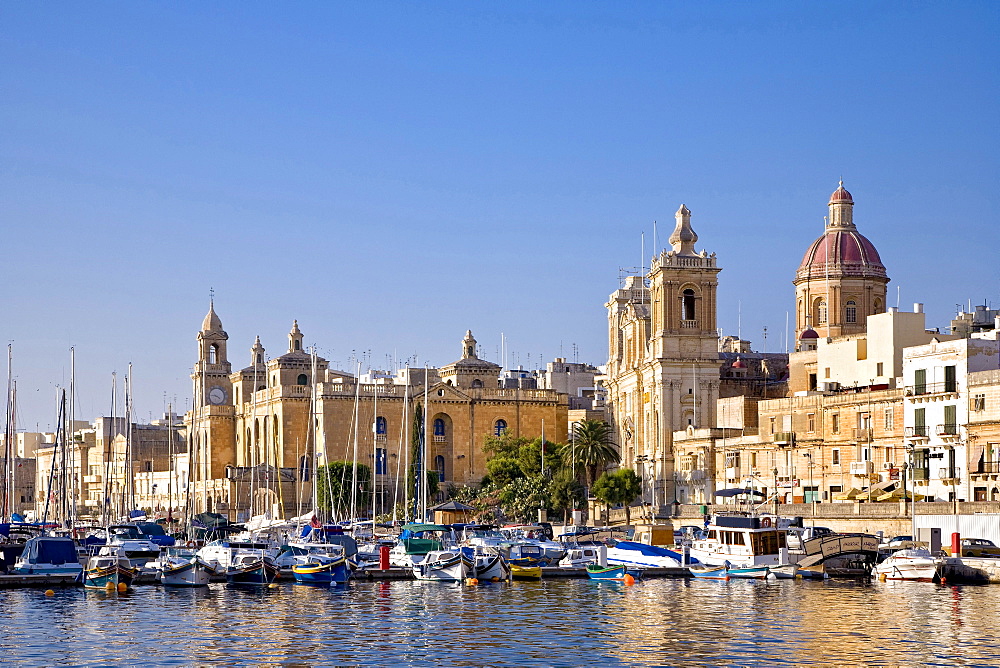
{"type": "Point", "coordinates": [257, 434]}
{"type": "Point", "coordinates": [668, 369]}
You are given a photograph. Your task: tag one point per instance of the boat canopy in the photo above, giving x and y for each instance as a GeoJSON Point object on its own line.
{"type": "Point", "coordinates": [50, 550]}
{"type": "Point", "coordinates": [737, 491]}
{"type": "Point", "coordinates": [648, 550]}
{"type": "Point", "coordinates": [419, 528]}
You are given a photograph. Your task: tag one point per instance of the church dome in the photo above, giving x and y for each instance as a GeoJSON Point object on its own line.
{"type": "Point", "coordinates": [841, 195]}
{"type": "Point", "coordinates": [212, 322]}
{"type": "Point", "coordinates": [842, 252]}
{"type": "Point", "coordinates": [809, 334]}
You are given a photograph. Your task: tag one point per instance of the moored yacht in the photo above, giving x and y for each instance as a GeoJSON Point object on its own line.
{"type": "Point", "coordinates": [741, 541]}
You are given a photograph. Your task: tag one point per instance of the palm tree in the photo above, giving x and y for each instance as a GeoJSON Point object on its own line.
{"type": "Point", "coordinates": [592, 447]}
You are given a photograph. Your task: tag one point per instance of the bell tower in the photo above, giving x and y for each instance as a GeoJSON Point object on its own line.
{"type": "Point", "coordinates": [211, 371]}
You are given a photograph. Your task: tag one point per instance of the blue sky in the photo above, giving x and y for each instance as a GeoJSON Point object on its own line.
{"type": "Point", "coordinates": [392, 174]}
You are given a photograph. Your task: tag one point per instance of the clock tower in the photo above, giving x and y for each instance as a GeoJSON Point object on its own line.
{"type": "Point", "coordinates": [210, 422]}
{"type": "Point", "coordinates": [211, 372]}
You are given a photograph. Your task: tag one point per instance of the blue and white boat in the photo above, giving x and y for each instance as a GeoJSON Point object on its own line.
{"type": "Point", "coordinates": [445, 566]}
{"type": "Point", "coordinates": [709, 572]}
{"type": "Point", "coordinates": [49, 555]}
{"type": "Point", "coordinates": [251, 567]}
{"type": "Point", "coordinates": [641, 555]}
{"type": "Point", "coordinates": [109, 569]}
{"type": "Point", "coordinates": [322, 569]}
{"type": "Point", "coordinates": [598, 572]}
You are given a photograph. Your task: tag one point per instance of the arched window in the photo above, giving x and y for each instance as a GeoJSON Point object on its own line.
{"type": "Point", "coordinates": [260, 358]}
{"type": "Point", "coordinates": [477, 383]}
{"type": "Point", "coordinates": [213, 353]}
{"type": "Point", "coordinates": [380, 425]}
{"type": "Point", "coordinates": [851, 312]}
{"type": "Point", "coordinates": [688, 313]}
{"type": "Point", "coordinates": [305, 473]}
{"type": "Point", "coordinates": [438, 427]}
{"type": "Point", "coordinates": [262, 387]}
{"type": "Point", "coordinates": [275, 425]}
{"type": "Point", "coordinates": [302, 379]}
{"type": "Point", "coordinates": [439, 467]}
{"type": "Point", "coordinates": [821, 312]}
{"type": "Point", "coordinates": [298, 344]}
{"type": "Point", "coordinates": [877, 306]}
{"type": "Point", "coordinates": [499, 427]}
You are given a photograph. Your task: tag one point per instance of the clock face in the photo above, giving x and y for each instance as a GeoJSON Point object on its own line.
{"type": "Point", "coordinates": [216, 395]}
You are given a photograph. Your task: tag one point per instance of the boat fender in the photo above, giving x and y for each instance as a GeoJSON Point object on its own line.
{"type": "Point", "coordinates": [190, 543]}
{"type": "Point", "coordinates": [765, 522]}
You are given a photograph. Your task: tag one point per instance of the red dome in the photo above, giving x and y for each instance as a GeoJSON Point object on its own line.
{"type": "Point", "coordinates": [809, 334]}
{"type": "Point", "coordinates": [841, 252]}
{"type": "Point", "coordinates": [841, 195]}
{"type": "Point", "coordinates": [739, 364]}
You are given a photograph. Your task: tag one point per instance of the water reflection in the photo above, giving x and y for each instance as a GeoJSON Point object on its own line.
{"type": "Point", "coordinates": [564, 623]}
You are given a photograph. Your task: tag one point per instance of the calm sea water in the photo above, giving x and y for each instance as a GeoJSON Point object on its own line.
{"type": "Point", "coordinates": [552, 623]}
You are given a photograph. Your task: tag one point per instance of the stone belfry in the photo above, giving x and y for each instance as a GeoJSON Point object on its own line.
{"type": "Point", "coordinates": [210, 422]}
{"type": "Point", "coordinates": [663, 369]}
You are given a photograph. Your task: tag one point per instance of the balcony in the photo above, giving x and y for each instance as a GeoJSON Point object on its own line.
{"type": "Point", "coordinates": [439, 438]}
{"type": "Point", "coordinates": [861, 468]}
{"type": "Point", "coordinates": [380, 438]}
{"type": "Point", "coordinates": [689, 324]}
{"type": "Point", "coordinates": [732, 472]}
{"type": "Point", "coordinates": [950, 473]}
{"type": "Point", "coordinates": [987, 467]}
{"type": "Point", "coordinates": [919, 431]}
{"type": "Point", "coordinates": [924, 389]}
{"type": "Point", "coordinates": [919, 474]}
{"type": "Point", "coordinates": [862, 434]}
{"type": "Point", "coordinates": [91, 478]}
{"type": "Point", "coordinates": [784, 438]}
{"type": "Point", "coordinates": [946, 430]}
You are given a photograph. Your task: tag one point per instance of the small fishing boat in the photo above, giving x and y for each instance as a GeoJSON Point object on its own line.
{"type": "Point", "coordinates": [321, 570]}
{"type": "Point", "coordinates": [252, 567]}
{"type": "Point", "coordinates": [445, 566]}
{"type": "Point", "coordinates": [490, 563]}
{"type": "Point", "coordinates": [109, 569]}
{"type": "Point", "coordinates": [784, 571]}
{"type": "Point", "coordinates": [180, 567]}
{"type": "Point", "coordinates": [525, 572]}
{"type": "Point", "coordinates": [749, 572]}
{"type": "Point", "coordinates": [710, 572]}
{"type": "Point", "coordinates": [598, 572]}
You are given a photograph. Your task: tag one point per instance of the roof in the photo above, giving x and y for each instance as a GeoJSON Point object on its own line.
{"type": "Point", "coordinates": [842, 252]}
{"type": "Point", "coordinates": [452, 504]}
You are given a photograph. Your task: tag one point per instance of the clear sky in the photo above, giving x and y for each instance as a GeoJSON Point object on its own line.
{"type": "Point", "coordinates": [392, 174]}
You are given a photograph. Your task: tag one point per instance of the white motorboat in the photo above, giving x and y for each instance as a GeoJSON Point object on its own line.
{"type": "Point", "coordinates": [741, 541]}
{"type": "Point", "coordinates": [50, 556]}
{"type": "Point", "coordinates": [627, 553]}
{"type": "Point", "coordinates": [445, 566]}
{"type": "Point", "coordinates": [914, 564]}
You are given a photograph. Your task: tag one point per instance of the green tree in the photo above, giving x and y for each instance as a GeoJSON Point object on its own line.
{"type": "Point", "coordinates": [521, 498]}
{"type": "Point", "coordinates": [503, 470]}
{"type": "Point", "coordinates": [592, 447]}
{"type": "Point", "coordinates": [619, 487]}
{"type": "Point", "coordinates": [566, 492]}
{"type": "Point", "coordinates": [337, 483]}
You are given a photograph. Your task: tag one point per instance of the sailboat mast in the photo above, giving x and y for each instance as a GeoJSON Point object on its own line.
{"type": "Point", "coordinates": [404, 438]}
{"type": "Point", "coordinates": [422, 480]}
{"type": "Point", "coordinates": [129, 465]}
{"type": "Point", "coordinates": [313, 430]}
{"type": "Point", "coordinates": [8, 439]}
{"type": "Point", "coordinates": [354, 455]}
{"type": "Point", "coordinates": [375, 451]}
{"type": "Point", "coordinates": [76, 469]}
{"type": "Point", "coordinates": [170, 463]}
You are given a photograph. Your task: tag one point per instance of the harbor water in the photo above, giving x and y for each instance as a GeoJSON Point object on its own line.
{"type": "Point", "coordinates": [551, 623]}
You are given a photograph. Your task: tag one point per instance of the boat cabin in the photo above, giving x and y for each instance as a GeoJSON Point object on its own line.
{"type": "Point", "coordinates": [743, 541]}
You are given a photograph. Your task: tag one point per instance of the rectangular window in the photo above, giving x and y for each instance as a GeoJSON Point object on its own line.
{"type": "Point", "coordinates": [887, 421]}
{"type": "Point", "coordinates": [772, 421]}
{"type": "Point", "coordinates": [835, 456]}
{"type": "Point", "coordinates": [753, 460]}
{"type": "Point", "coordinates": [827, 372]}
{"type": "Point", "coordinates": [950, 426]}
{"type": "Point", "coordinates": [835, 423]}
{"type": "Point", "coordinates": [920, 381]}
{"type": "Point", "coordinates": [920, 422]}
{"type": "Point", "coordinates": [862, 347]}
{"type": "Point", "coordinates": [786, 422]}
{"type": "Point", "coordinates": [380, 463]}
{"type": "Point", "coordinates": [979, 402]}
{"type": "Point", "coordinates": [866, 455]}
{"type": "Point", "coordinates": [950, 384]}
{"type": "Point", "coordinates": [879, 369]}
{"type": "Point", "coordinates": [811, 422]}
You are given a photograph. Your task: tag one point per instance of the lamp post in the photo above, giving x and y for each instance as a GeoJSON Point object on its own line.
{"type": "Point", "coordinates": [642, 460]}
{"type": "Point", "coordinates": [677, 503]}
{"type": "Point", "coordinates": [775, 472]}
{"type": "Point", "coordinates": [812, 499]}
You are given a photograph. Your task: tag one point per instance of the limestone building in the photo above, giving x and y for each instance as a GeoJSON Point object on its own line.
{"type": "Point", "coordinates": [663, 366]}
{"type": "Point", "coordinates": [257, 433]}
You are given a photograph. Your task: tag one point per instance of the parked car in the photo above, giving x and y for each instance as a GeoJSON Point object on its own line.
{"type": "Point", "coordinates": [977, 547]}
{"type": "Point", "coordinates": [897, 543]}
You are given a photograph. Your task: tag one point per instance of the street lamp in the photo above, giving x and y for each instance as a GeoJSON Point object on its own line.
{"type": "Point", "coordinates": [812, 499]}
{"type": "Point", "coordinates": [775, 472]}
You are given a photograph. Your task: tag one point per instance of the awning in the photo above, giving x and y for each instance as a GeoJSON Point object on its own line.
{"type": "Point", "coordinates": [975, 454]}
{"type": "Point", "coordinates": [737, 492]}
{"type": "Point", "coordinates": [848, 495]}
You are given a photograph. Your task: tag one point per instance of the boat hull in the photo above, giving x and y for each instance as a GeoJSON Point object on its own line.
{"type": "Point", "coordinates": [750, 573]}
{"type": "Point", "coordinates": [453, 567]}
{"type": "Point", "coordinates": [258, 573]}
{"type": "Point", "coordinates": [526, 572]}
{"type": "Point", "coordinates": [334, 572]}
{"type": "Point", "coordinates": [113, 577]}
{"type": "Point", "coordinates": [595, 572]}
{"type": "Point", "coordinates": [913, 569]}
{"type": "Point", "coordinates": [718, 573]}
{"type": "Point", "coordinates": [192, 574]}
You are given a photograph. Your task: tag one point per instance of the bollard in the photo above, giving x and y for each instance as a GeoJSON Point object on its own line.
{"type": "Point", "coordinates": [383, 557]}
{"type": "Point", "coordinates": [956, 544]}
